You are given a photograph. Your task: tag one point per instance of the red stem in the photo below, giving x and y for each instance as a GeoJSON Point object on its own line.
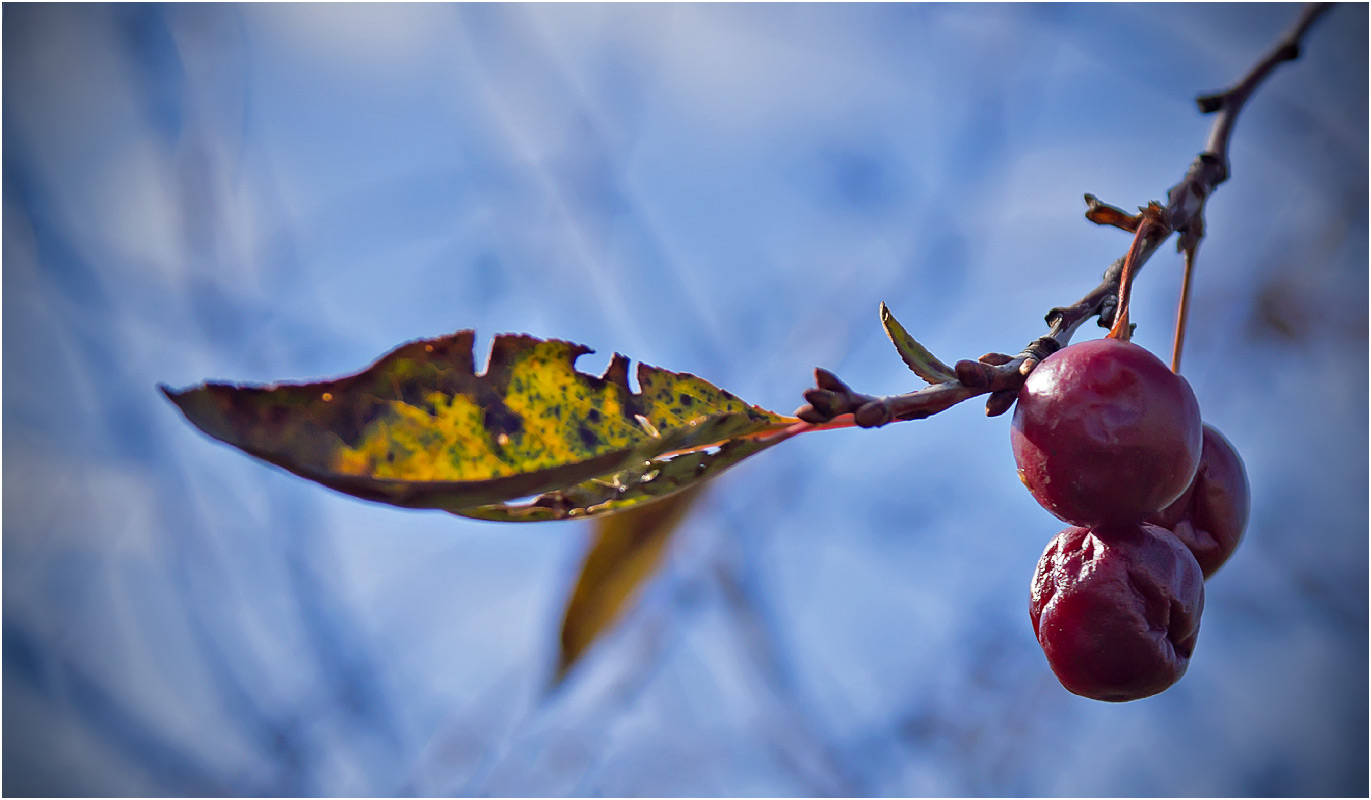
{"type": "Point", "coordinates": [1182, 312]}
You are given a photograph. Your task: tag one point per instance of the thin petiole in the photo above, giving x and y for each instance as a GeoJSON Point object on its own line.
{"type": "Point", "coordinates": [1150, 226]}
{"type": "Point", "coordinates": [1182, 311]}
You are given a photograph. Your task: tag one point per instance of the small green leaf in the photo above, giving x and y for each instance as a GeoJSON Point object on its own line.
{"type": "Point", "coordinates": [421, 429]}
{"type": "Point", "coordinates": [916, 356]}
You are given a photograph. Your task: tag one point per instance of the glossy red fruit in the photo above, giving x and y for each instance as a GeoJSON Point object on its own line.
{"type": "Point", "coordinates": [1212, 514]}
{"type": "Point", "coordinates": [1104, 432]}
{"type": "Point", "coordinates": [1117, 610]}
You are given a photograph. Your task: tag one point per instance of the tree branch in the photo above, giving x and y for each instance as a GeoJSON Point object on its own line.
{"type": "Point", "coordinates": [1000, 375]}
{"type": "Point", "coordinates": [1230, 102]}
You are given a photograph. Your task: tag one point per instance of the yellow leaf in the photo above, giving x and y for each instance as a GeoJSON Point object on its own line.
{"type": "Point", "coordinates": [420, 428]}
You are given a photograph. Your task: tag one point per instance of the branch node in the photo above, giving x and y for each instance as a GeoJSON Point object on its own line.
{"type": "Point", "coordinates": [974, 374]}
{"type": "Point", "coordinates": [827, 380]}
{"type": "Point", "coordinates": [825, 401]}
{"type": "Point", "coordinates": [1209, 103]}
{"type": "Point", "coordinates": [1105, 214]}
{"type": "Point", "coordinates": [1039, 349]}
{"type": "Point", "coordinates": [872, 415]}
{"type": "Point", "coordinates": [1000, 402]}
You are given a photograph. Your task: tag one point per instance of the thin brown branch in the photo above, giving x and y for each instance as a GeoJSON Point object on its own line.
{"type": "Point", "coordinates": [1102, 213]}
{"type": "Point", "coordinates": [1230, 102]}
{"type": "Point", "coordinates": [1183, 214]}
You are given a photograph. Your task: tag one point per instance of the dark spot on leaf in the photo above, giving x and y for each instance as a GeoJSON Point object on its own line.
{"type": "Point", "coordinates": [500, 419]}
{"type": "Point", "coordinates": [415, 393]}
{"type": "Point", "coordinates": [588, 438]}
{"type": "Point", "coordinates": [686, 400]}
{"type": "Point", "coordinates": [352, 422]}
{"type": "Point", "coordinates": [273, 415]}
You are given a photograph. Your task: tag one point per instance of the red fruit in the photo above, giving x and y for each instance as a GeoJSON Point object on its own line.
{"type": "Point", "coordinates": [1104, 433]}
{"type": "Point", "coordinates": [1212, 514]}
{"type": "Point", "coordinates": [1117, 610]}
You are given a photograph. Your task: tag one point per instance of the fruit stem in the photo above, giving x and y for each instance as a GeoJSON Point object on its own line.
{"type": "Point", "coordinates": [1152, 221]}
{"type": "Point", "coordinates": [1182, 311]}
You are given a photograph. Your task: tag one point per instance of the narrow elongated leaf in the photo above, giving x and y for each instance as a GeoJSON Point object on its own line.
{"type": "Point", "coordinates": [915, 356]}
{"type": "Point", "coordinates": [626, 551]}
{"type": "Point", "coordinates": [421, 429]}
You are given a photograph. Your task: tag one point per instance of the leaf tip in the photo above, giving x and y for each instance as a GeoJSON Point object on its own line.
{"type": "Point", "coordinates": [558, 676]}
{"type": "Point", "coordinates": [177, 397]}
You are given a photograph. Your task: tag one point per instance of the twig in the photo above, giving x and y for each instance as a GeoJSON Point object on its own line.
{"type": "Point", "coordinates": [1231, 101]}
{"type": "Point", "coordinates": [1000, 375]}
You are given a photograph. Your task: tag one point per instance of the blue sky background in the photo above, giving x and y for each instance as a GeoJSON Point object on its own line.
{"type": "Point", "coordinates": [281, 192]}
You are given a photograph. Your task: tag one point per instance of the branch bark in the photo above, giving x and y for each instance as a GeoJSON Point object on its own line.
{"type": "Point", "coordinates": [832, 404]}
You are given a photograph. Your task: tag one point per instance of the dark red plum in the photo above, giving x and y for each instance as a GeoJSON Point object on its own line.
{"type": "Point", "coordinates": [1104, 432]}
{"type": "Point", "coordinates": [1117, 610]}
{"type": "Point", "coordinates": [1212, 514]}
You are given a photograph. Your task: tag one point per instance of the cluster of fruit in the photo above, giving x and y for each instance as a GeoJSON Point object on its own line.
{"type": "Point", "coordinates": [1110, 440]}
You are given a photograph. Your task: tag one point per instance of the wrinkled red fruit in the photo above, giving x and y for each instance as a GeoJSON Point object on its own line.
{"type": "Point", "coordinates": [1117, 610]}
{"type": "Point", "coordinates": [1212, 514]}
{"type": "Point", "coordinates": [1103, 433]}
